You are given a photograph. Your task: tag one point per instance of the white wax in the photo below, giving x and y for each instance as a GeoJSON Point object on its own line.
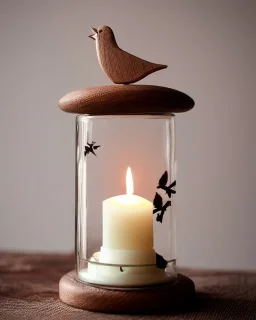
{"type": "Point", "coordinates": [127, 223]}
{"type": "Point", "coordinates": [127, 277]}
{"type": "Point", "coordinates": [127, 256]}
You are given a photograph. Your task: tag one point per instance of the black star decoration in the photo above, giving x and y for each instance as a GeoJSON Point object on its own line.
{"type": "Point", "coordinates": [90, 148]}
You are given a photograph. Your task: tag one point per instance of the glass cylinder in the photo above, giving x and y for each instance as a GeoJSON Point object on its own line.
{"type": "Point", "coordinates": [125, 200]}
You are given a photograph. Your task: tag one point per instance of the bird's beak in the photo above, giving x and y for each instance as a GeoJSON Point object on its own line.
{"type": "Point", "coordinates": [94, 35]}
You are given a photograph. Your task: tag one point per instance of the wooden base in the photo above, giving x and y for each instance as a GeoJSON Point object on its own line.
{"type": "Point", "coordinates": [160, 298]}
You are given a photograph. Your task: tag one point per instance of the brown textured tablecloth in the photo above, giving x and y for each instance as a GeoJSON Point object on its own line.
{"type": "Point", "coordinates": [29, 290]}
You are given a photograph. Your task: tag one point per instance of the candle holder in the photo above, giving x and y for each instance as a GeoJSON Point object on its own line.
{"type": "Point", "coordinates": [125, 190]}
{"type": "Point", "coordinates": [129, 254]}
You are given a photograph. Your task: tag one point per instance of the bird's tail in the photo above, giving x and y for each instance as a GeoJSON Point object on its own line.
{"type": "Point", "coordinates": [155, 210]}
{"type": "Point", "coordinates": [161, 66]}
{"type": "Point", "coordinates": [169, 193]}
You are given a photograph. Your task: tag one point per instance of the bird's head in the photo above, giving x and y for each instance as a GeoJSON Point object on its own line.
{"type": "Point", "coordinates": [103, 33]}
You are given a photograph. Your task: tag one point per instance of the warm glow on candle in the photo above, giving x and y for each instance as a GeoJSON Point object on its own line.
{"type": "Point", "coordinates": [129, 182]}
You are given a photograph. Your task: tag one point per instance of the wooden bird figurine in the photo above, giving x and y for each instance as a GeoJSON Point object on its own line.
{"type": "Point", "coordinates": [120, 66]}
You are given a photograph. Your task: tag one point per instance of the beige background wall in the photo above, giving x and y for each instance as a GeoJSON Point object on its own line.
{"type": "Point", "coordinates": [209, 47]}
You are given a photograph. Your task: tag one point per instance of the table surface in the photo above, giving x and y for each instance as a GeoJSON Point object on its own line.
{"type": "Point", "coordinates": [29, 290]}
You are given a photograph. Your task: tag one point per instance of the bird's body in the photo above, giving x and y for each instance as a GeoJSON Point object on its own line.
{"type": "Point", "coordinates": [160, 208]}
{"type": "Point", "coordinates": [163, 185]}
{"type": "Point", "coordinates": [120, 66]}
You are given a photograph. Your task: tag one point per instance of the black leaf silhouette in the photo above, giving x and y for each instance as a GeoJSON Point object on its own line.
{"type": "Point", "coordinates": [90, 148]}
{"type": "Point", "coordinates": [162, 184]}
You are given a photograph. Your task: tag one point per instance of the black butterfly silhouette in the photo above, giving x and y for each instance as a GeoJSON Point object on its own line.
{"type": "Point", "coordinates": [90, 148]}
{"type": "Point", "coordinates": [162, 185]}
{"type": "Point", "coordinates": [158, 203]}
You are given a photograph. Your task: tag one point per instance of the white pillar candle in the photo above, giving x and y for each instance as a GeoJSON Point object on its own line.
{"type": "Point", "coordinates": [128, 225]}
{"type": "Point", "coordinates": [127, 257]}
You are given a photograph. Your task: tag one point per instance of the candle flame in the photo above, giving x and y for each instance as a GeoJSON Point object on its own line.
{"type": "Point", "coordinates": [129, 182]}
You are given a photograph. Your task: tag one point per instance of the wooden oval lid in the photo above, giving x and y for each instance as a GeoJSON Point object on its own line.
{"type": "Point", "coordinates": [126, 99]}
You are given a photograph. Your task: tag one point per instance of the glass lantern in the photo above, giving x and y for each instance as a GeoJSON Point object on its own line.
{"type": "Point", "coordinates": [125, 200]}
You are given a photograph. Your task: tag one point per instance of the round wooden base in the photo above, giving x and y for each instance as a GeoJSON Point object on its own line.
{"type": "Point", "coordinates": [153, 299]}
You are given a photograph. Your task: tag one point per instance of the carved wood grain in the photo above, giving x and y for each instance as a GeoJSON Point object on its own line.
{"type": "Point", "coordinates": [122, 99]}
{"type": "Point", "coordinates": [155, 299]}
{"type": "Point", "coordinates": [120, 66]}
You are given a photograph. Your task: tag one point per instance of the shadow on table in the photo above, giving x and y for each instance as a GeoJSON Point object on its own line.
{"type": "Point", "coordinates": [213, 307]}
{"type": "Point", "coordinates": [222, 307]}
